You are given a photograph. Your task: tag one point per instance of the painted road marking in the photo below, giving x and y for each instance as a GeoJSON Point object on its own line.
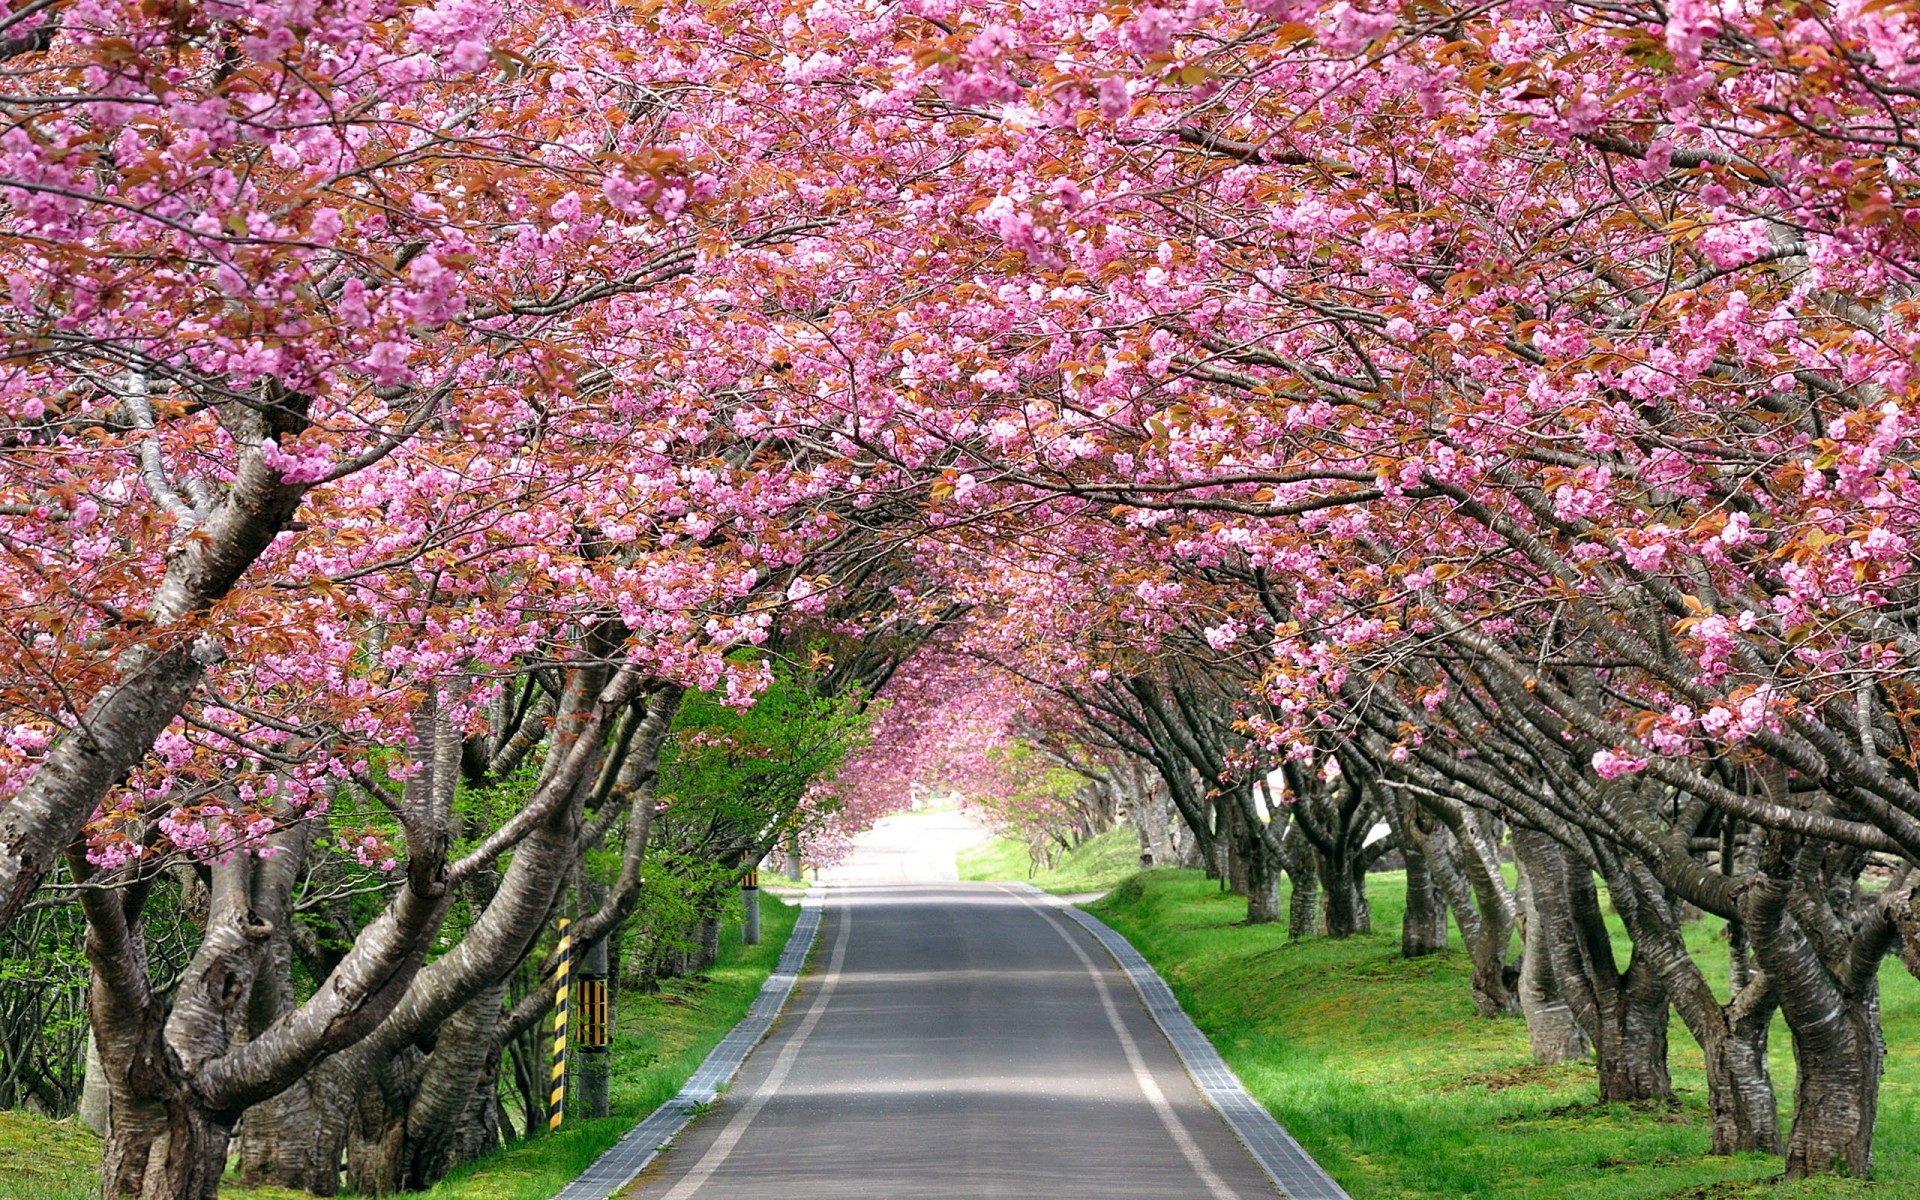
{"type": "Point", "coordinates": [736, 1129]}
{"type": "Point", "coordinates": [1290, 1167]}
{"type": "Point", "coordinates": [618, 1167]}
{"type": "Point", "coordinates": [1149, 1086]}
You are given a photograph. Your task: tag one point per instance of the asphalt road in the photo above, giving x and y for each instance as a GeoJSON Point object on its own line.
{"type": "Point", "coordinates": [958, 1040]}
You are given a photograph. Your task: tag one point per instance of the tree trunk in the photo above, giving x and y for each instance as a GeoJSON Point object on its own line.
{"type": "Point", "coordinates": [1146, 812]}
{"type": "Point", "coordinates": [1624, 1013]}
{"type": "Point", "coordinates": [1742, 1111]}
{"type": "Point", "coordinates": [1631, 1041]}
{"type": "Point", "coordinates": [1347, 912]}
{"type": "Point", "coordinates": [401, 1117]}
{"type": "Point", "coordinates": [295, 1140]}
{"type": "Point", "coordinates": [1263, 886]}
{"type": "Point", "coordinates": [1303, 908]}
{"type": "Point", "coordinates": [1236, 838]}
{"type": "Point", "coordinates": [163, 1139]}
{"type": "Point", "coordinates": [1835, 1024]}
{"type": "Point", "coordinates": [164, 1149]}
{"type": "Point", "coordinates": [93, 1090]}
{"type": "Point", "coordinates": [1423, 930]}
{"type": "Point", "coordinates": [376, 1149]}
{"type": "Point", "coordinates": [1553, 1033]}
{"type": "Point", "coordinates": [1837, 1090]}
{"type": "Point", "coordinates": [1466, 863]}
{"type": "Point", "coordinates": [436, 1120]}
{"type": "Point", "coordinates": [1216, 842]}
{"type": "Point", "coordinates": [1740, 1098]}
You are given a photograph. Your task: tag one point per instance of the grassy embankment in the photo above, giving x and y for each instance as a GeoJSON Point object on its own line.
{"type": "Point", "coordinates": [659, 1041]}
{"type": "Point", "coordinates": [1381, 1069]}
{"type": "Point", "coordinates": [1093, 866]}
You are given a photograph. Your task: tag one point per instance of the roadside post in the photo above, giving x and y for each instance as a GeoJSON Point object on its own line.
{"type": "Point", "coordinates": [557, 1098]}
{"type": "Point", "coordinates": [595, 1036]}
{"type": "Point", "coordinates": [750, 898]}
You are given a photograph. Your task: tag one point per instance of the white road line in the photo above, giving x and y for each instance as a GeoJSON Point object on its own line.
{"type": "Point", "coordinates": [1149, 1086]}
{"type": "Point", "coordinates": [736, 1129]}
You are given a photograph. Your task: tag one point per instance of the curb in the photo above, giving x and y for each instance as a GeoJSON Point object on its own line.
{"type": "Point", "coordinates": [1291, 1169]}
{"type": "Point", "coordinates": [614, 1170]}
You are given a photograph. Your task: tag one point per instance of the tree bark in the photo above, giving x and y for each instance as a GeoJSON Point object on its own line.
{"type": "Point", "coordinates": [164, 1139]}
{"type": "Point", "coordinates": [1346, 908]}
{"type": "Point", "coordinates": [93, 1093]}
{"type": "Point", "coordinates": [1732, 1037]}
{"type": "Point", "coordinates": [294, 1140]}
{"type": "Point", "coordinates": [1263, 886]}
{"type": "Point", "coordinates": [1303, 907]}
{"type": "Point", "coordinates": [1146, 812]}
{"type": "Point", "coordinates": [1834, 1018]}
{"type": "Point", "coordinates": [1482, 907]}
{"type": "Point", "coordinates": [1423, 928]}
{"type": "Point", "coordinates": [410, 1116]}
{"type": "Point", "coordinates": [423, 1127]}
{"type": "Point", "coordinates": [1740, 1096]}
{"type": "Point", "coordinates": [1553, 1033]}
{"type": "Point", "coordinates": [1623, 1013]}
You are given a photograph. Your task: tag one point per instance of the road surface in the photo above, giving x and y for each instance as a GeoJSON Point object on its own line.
{"type": "Point", "coordinates": [909, 846]}
{"type": "Point", "coordinates": [958, 1040]}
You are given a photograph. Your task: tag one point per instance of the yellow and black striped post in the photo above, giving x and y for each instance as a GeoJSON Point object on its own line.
{"type": "Point", "coordinates": [557, 1103]}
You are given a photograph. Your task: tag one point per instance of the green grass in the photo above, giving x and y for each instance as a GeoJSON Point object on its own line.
{"type": "Point", "coordinates": [1381, 1069]}
{"type": "Point", "coordinates": [659, 1041]}
{"type": "Point", "coordinates": [1093, 866]}
{"type": "Point", "coordinates": [47, 1160]}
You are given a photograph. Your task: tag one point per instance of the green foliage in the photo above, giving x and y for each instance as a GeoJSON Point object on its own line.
{"type": "Point", "coordinates": [1380, 1068]}
{"type": "Point", "coordinates": [659, 1040]}
{"type": "Point", "coordinates": [43, 986]}
{"type": "Point", "coordinates": [1031, 793]}
{"type": "Point", "coordinates": [1095, 865]}
{"type": "Point", "coordinates": [995, 858]}
{"type": "Point", "coordinates": [745, 768]}
{"type": "Point", "coordinates": [733, 780]}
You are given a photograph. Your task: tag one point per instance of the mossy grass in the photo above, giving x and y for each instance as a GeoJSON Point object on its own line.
{"type": "Point", "coordinates": [1381, 1069]}
{"type": "Point", "coordinates": [1093, 866]}
{"type": "Point", "coordinates": [659, 1040]}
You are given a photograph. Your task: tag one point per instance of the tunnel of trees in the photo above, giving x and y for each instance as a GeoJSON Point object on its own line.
{"type": "Point", "coordinates": [468, 463]}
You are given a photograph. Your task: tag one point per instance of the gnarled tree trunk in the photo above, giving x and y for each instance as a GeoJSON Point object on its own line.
{"type": "Point", "coordinates": [1423, 927]}
{"type": "Point", "coordinates": [1832, 1011]}
{"type": "Point", "coordinates": [1623, 1013]}
{"type": "Point", "coordinates": [1466, 865]}
{"type": "Point", "coordinates": [1553, 1033]}
{"type": "Point", "coordinates": [1303, 906]}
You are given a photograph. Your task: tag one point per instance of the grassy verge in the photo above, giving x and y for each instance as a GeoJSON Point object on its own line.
{"type": "Point", "coordinates": [1380, 1068]}
{"type": "Point", "coordinates": [1093, 866]}
{"type": "Point", "coordinates": [659, 1041]}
